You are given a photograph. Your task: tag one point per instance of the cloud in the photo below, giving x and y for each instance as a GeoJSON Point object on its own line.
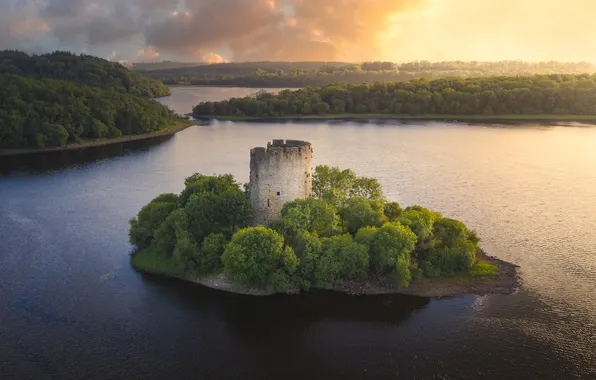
{"type": "Point", "coordinates": [323, 30]}
{"type": "Point", "coordinates": [264, 30]}
{"type": "Point", "coordinates": [149, 53]}
{"type": "Point", "coordinates": [20, 23]}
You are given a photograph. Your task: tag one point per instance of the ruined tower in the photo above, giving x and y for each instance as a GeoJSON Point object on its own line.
{"type": "Point", "coordinates": [279, 173]}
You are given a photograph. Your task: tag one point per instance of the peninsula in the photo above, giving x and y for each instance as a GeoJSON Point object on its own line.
{"type": "Point", "coordinates": [292, 230]}
{"type": "Point", "coordinates": [63, 101]}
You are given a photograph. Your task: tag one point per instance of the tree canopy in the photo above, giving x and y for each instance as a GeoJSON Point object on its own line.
{"type": "Point", "coordinates": [551, 94]}
{"type": "Point", "coordinates": [39, 113]}
{"type": "Point", "coordinates": [84, 69]}
{"type": "Point", "coordinates": [302, 74]}
{"type": "Point", "coordinates": [194, 228]}
{"type": "Point", "coordinates": [346, 231]}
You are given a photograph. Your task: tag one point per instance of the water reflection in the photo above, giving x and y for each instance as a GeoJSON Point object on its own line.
{"type": "Point", "coordinates": [283, 315]}
{"type": "Point", "coordinates": [43, 162]}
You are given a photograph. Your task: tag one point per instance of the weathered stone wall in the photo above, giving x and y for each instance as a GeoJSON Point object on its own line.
{"type": "Point", "coordinates": [279, 173]}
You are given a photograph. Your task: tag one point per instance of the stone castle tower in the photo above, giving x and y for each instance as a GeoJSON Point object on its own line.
{"type": "Point", "coordinates": [279, 173]}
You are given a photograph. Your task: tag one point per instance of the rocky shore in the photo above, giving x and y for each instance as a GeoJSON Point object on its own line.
{"type": "Point", "coordinates": [506, 281]}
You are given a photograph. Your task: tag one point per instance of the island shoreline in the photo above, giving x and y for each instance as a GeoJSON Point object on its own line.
{"type": "Point", "coordinates": [180, 126]}
{"type": "Point", "coordinates": [506, 281]}
{"type": "Point", "coordinates": [482, 119]}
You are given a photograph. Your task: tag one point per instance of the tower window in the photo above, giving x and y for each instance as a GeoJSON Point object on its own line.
{"type": "Point", "coordinates": [268, 202]}
{"type": "Point", "coordinates": [278, 193]}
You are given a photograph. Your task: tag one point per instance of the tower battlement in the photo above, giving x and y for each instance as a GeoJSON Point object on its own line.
{"type": "Point", "coordinates": [279, 173]}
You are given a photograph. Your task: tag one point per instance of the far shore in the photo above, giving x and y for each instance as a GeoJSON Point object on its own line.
{"type": "Point", "coordinates": [501, 119]}
{"type": "Point", "coordinates": [233, 86]}
{"type": "Point", "coordinates": [506, 281]}
{"type": "Point", "coordinates": [177, 127]}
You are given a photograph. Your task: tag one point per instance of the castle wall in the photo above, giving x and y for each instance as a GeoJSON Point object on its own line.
{"type": "Point", "coordinates": [279, 173]}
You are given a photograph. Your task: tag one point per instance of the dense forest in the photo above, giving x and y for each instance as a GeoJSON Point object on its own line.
{"type": "Point", "coordinates": [38, 113]}
{"type": "Point", "coordinates": [347, 231]}
{"type": "Point", "coordinates": [85, 69]}
{"type": "Point", "coordinates": [302, 74]}
{"type": "Point", "coordinates": [532, 95]}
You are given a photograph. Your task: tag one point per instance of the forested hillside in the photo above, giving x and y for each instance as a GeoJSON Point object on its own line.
{"type": "Point", "coordinates": [40, 113]}
{"type": "Point", "coordinates": [301, 74]}
{"type": "Point", "coordinates": [531, 95]}
{"type": "Point", "coordinates": [85, 69]}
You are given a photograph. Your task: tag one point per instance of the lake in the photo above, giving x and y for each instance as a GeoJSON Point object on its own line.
{"type": "Point", "coordinates": [71, 307]}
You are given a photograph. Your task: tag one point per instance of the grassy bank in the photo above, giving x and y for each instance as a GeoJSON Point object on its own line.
{"type": "Point", "coordinates": [173, 129]}
{"type": "Point", "coordinates": [449, 118]}
{"type": "Point", "coordinates": [151, 262]}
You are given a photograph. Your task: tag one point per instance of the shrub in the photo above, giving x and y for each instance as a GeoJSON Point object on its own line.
{"type": "Point", "coordinates": [483, 268]}
{"type": "Point", "coordinates": [447, 261]}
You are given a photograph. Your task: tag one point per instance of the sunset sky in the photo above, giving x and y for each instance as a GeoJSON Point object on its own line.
{"type": "Point", "coordinates": [290, 30]}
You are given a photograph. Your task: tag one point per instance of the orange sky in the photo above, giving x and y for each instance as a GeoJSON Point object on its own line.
{"type": "Point", "coordinates": [302, 30]}
{"type": "Point", "coordinates": [532, 30]}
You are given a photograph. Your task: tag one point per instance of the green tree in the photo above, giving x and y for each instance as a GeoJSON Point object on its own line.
{"type": "Point", "coordinates": [401, 275]}
{"type": "Point", "coordinates": [420, 220]}
{"type": "Point", "coordinates": [200, 183]}
{"type": "Point", "coordinates": [351, 256]}
{"type": "Point", "coordinates": [361, 212]}
{"type": "Point", "coordinates": [217, 213]}
{"type": "Point", "coordinates": [308, 247]}
{"type": "Point", "coordinates": [209, 256]}
{"type": "Point", "coordinates": [146, 223]}
{"type": "Point", "coordinates": [166, 236]}
{"type": "Point", "coordinates": [450, 260]}
{"type": "Point", "coordinates": [386, 245]}
{"type": "Point", "coordinates": [310, 214]}
{"type": "Point", "coordinates": [332, 185]}
{"type": "Point", "coordinates": [256, 256]}
{"type": "Point", "coordinates": [392, 211]}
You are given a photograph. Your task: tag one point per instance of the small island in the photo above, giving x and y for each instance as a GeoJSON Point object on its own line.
{"type": "Point", "coordinates": [502, 99]}
{"type": "Point", "coordinates": [291, 230]}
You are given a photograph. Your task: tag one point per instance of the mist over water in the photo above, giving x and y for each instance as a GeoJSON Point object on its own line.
{"type": "Point", "coordinates": [71, 307]}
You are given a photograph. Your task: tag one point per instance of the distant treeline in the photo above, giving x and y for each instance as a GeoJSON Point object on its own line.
{"type": "Point", "coordinates": [38, 113]}
{"type": "Point", "coordinates": [530, 95]}
{"type": "Point", "coordinates": [85, 69]}
{"type": "Point", "coordinates": [302, 74]}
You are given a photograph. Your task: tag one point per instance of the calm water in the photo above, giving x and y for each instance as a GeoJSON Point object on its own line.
{"type": "Point", "coordinates": [71, 307]}
{"type": "Point", "coordinates": [183, 99]}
